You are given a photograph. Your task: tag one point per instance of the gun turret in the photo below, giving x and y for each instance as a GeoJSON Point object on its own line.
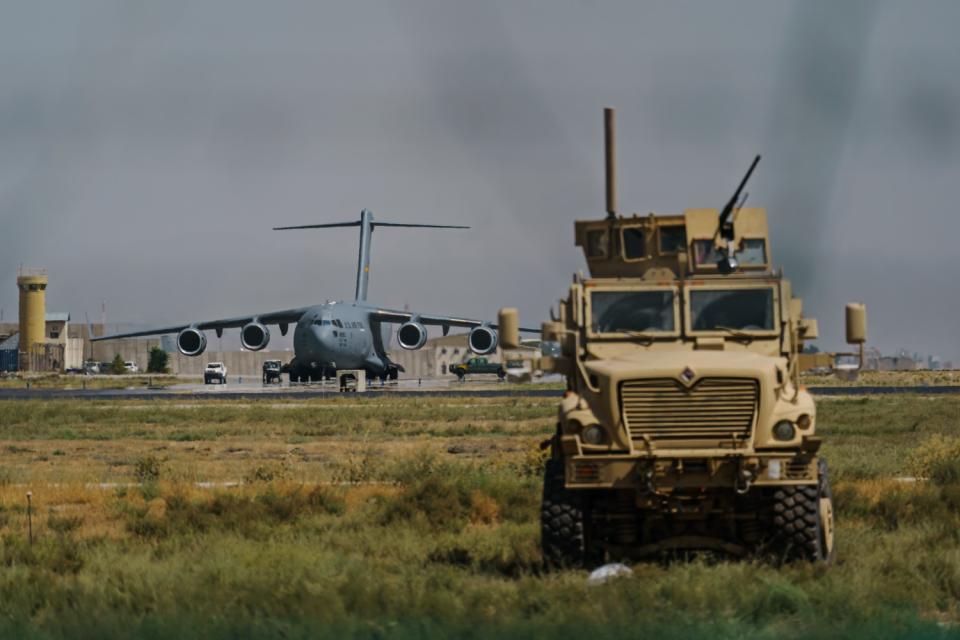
{"type": "Point", "coordinates": [727, 262]}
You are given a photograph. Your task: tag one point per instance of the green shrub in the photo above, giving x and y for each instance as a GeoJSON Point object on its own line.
{"type": "Point", "coordinates": [267, 472]}
{"type": "Point", "coordinates": [60, 555]}
{"type": "Point", "coordinates": [223, 511]}
{"type": "Point", "coordinates": [63, 524]}
{"type": "Point", "coordinates": [117, 367]}
{"type": "Point", "coordinates": [937, 459]}
{"type": "Point", "coordinates": [147, 469]}
{"type": "Point", "coordinates": [157, 360]}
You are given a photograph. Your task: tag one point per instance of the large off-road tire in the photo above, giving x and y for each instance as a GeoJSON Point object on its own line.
{"type": "Point", "coordinates": [803, 517]}
{"type": "Point", "coordinates": [562, 521]}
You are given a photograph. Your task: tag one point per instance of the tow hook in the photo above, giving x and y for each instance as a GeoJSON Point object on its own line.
{"type": "Point", "coordinates": [744, 480]}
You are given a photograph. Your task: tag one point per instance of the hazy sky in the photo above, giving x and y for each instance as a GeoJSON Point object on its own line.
{"type": "Point", "coordinates": [146, 148]}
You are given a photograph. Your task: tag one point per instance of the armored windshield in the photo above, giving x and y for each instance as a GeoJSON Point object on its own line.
{"type": "Point", "coordinates": [628, 311]}
{"type": "Point", "coordinates": [738, 309]}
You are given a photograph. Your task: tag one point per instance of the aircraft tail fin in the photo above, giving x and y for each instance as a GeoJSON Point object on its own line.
{"type": "Point", "coordinates": [367, 225]}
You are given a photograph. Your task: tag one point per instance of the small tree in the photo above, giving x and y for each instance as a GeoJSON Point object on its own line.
{"type": "Point", "coordinates": [157, 361]}
{"type": "Point", "coordinates": [117, 367]}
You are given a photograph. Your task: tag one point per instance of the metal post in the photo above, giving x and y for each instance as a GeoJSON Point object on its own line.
{"type": "Point", "coordinates": [610, 157]}
{"type": "Point", "coordinates": [30, 517]}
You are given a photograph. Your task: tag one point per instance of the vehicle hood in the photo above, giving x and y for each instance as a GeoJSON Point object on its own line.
{"type": "Point", "coordinates": [673, 364]}
{"type": "Point", "coordinates": [688, 368]}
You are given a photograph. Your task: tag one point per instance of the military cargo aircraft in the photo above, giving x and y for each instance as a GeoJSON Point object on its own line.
{"type": "Point", "coordinates": [336, 335]}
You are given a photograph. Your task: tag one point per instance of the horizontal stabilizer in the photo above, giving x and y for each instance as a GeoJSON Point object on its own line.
{"type": "Point", "coordinates": [421, 226]}
{"type": "Point", "coordinates": [367, 224]}
{"type": "Point", "coordinates": [355, 223]}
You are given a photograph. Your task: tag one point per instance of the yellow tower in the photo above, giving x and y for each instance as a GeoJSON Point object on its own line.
{"type": "Point", "coordinates": [33, 312]}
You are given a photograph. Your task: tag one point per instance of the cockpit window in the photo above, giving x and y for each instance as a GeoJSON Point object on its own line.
{"type": "Point", "coordinates": [673, 239]}
{"type": "Point", "coordinates": [633, 245]}
{"type": "Point", "coordinates": [753, 251]}
{"type": "Point", "coordinates": [737, 309]}
{"type": "Point", "coordinates": [626, 311]}
{"type": "Point", "coordinates": [597, 243]}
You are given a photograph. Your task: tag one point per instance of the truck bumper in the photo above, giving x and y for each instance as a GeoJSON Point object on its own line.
{"type": "Point", "coordinates": [665, 473]}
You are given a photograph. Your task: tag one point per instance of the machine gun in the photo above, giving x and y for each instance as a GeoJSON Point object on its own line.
{"type": "Point", "coordinates": [728, 261]}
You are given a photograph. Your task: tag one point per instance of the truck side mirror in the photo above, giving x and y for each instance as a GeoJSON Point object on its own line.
{"type": "Point", "coordinates": [856, 323]}
{"type": "Point", "coordinates": [509, 327]}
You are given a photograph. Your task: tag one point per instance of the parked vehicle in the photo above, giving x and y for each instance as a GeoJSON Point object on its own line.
{"type": "Point", "coordinates": [519, 371]}
{"type": "Point", "coordinates": [477, 365]}
{"type": "Point", "coordinates": [271, 371]}
{"type": "Point", "coordinates": [215, 371]}
{"type": "Point", "coordinates": [131, 366]}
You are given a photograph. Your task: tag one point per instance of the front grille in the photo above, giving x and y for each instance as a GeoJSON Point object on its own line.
{"type": "Point", "coordinates": [714, 412]}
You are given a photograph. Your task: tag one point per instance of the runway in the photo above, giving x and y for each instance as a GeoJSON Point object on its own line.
{"type": "Point", "coordinates": [427, 389]}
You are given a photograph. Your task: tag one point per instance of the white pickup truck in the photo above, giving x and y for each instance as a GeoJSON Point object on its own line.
{"type": "Point", "coordinates": [215, 371]}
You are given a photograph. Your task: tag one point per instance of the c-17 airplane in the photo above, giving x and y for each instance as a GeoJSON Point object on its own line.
{"type": "Point", "coordinates": [335, 335]}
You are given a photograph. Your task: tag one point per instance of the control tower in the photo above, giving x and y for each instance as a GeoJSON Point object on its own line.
{"type": "Point", "coordinates": [33, 310]}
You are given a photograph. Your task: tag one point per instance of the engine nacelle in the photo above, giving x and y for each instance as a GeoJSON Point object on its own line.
{"type": "Point", "coordinates": [191, 342]}
{"type": "Point", "coordinates": [483, 340]}
{"type": "Point", "coordinates": [411, 335]}
{"type": "Point", "coordinates": [254, 336]}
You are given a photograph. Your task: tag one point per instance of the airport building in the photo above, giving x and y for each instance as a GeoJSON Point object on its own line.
{"type": "Point", "coordinates": [40, 341]}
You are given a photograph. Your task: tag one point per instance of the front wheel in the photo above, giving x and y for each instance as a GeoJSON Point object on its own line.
{"type": "Point", "coordinates": [563, 539]}
{"type": "Point", "coordinates": [803, 517]}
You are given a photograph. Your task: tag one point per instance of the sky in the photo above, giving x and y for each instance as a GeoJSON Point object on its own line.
{"type": "Point", "coordinates": [147, 148]}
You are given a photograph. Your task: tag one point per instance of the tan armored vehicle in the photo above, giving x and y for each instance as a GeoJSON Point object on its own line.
{"type": "Point", "coordinates": [683, 426]}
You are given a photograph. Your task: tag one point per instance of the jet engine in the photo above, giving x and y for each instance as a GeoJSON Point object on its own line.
{"type": "Point", "coordinates": [254, 336]}
{"type": "Point", "coordinates": [411, 335]}
{"type": "Point", "coordinates": [483, 340]}
{"type": "Point", "coordinates": [191, 342]}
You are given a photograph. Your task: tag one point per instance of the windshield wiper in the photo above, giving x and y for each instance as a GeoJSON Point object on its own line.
{"type": "Point", "coordinates": [737, 333]}
{"type": "Point", "coordinates": [642, 335]}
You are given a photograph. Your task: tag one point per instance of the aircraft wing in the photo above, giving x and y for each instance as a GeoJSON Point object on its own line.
{"type": "Point", "coordinates": [288, 316]}
{"type": "Point", "coordinates": [390, 315]}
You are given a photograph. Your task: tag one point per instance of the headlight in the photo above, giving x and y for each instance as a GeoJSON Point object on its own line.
{"type": "Point", "coordinates": [593, 434]}
{"type": "Point", "coordinates": [784, 430]}
{"type": "Point", "coordinates": [804, 421]}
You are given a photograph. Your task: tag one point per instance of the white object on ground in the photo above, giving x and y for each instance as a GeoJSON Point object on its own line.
{"type": "Point", "coordinates": [609, 572]}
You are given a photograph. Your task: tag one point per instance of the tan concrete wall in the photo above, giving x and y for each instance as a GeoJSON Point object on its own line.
{"type": "Point", "coordinates": [137, 349]}
{"type": "Point", "coordinates": [416, 364]}
{"type": "Point", "coordinates": [238, 363]}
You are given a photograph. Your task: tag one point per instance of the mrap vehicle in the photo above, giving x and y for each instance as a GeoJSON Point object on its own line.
{"type": "Point", "coordinates": [683, 427]}
{"type": "Point", "coordinates": [271, 371]}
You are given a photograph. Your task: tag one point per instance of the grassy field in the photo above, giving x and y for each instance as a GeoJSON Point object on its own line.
{"type": "Point", "coordinates": [400, 517]}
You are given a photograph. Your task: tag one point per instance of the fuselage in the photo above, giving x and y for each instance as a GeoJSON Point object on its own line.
{"type": "Point", "coordinates": [340, 335]}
